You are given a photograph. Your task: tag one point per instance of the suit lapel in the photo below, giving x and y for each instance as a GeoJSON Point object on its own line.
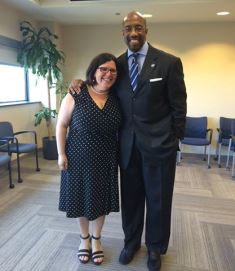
{"type": "Point", "coordinates": [125, 71]}
{"type": "Point", "coordinates": [150, 65]}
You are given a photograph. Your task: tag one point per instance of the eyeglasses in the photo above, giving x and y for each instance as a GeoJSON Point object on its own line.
{"type": "Point", "coordinates": [106, 70]}
{"type": "Point", "coordinates": [136, 28]}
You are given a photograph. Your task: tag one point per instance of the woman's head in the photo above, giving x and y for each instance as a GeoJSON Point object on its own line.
{"type": "Point", "coordinates": [102, 71]}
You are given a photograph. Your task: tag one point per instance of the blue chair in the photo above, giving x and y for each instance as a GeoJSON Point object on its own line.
{"type": "Point", "coordinates": [224, 133]}
{"type": "Point", "coordinates": [231, 145]}
{"type": "Point", "coordinates": [197, 134]}
{"type": "Point", "coordinates": [6, 132]}
{"type": "Point", "coordinates": [5, 159]}
{"type": "Point", "coordinates": [233, 164]}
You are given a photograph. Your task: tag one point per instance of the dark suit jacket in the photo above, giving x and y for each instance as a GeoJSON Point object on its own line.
{"type": "Point", "coordinates": [155, 113]}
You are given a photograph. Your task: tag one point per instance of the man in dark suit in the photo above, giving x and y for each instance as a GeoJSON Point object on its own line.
{"type": "Point", "coordinates": [153, 106]}
{"type": "Point", "coordinates": [154, 115]}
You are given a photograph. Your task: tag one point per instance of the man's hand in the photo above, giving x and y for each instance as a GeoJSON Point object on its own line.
{"type": "Point", "coordinates": [75, 86]}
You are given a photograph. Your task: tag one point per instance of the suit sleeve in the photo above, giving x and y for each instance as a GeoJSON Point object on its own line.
{"type": "Point", "coordinates": [177, 97]}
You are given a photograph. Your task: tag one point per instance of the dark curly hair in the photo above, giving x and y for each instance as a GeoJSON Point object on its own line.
{"type": "Point", "coordinates": [95, 63]}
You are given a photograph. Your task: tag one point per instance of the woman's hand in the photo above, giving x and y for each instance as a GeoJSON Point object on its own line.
{"type": "Point", "coordinates": [62, 161]}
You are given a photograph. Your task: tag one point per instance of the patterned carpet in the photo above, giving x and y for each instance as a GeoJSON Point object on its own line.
{"type": "Point", "coordinates": [35, 236]}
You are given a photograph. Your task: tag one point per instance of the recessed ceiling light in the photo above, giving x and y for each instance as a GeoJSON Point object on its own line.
{"type": "Point", "coordinates": [147, 15]}
{"type": "Point", "coordinates": [223, 13]}
{"type": "Point", "coordinates": [144, 15]}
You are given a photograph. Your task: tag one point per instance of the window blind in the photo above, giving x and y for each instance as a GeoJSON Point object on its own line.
{"type": "Point", "coordinates": [8, 50]}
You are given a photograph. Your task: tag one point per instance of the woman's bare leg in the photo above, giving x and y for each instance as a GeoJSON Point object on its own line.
{"type": "Point", "coordinates": [84, 229]}
{"type": "Point", "coordinates": [97, 226]}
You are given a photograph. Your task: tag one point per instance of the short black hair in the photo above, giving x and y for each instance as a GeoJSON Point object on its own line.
{"type": "Point", "coordinates": [95, 63]}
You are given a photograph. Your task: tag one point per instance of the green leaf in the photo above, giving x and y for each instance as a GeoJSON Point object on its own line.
{"type": "Point", "coordinates": [39, 53]}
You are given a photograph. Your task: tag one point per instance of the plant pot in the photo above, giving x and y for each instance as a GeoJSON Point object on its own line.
{"type": "Point", "coordinates": [49, 148]}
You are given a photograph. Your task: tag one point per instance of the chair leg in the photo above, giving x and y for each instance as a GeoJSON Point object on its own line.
{"type": "Point", "coordinates": [37, 165]}
{"type": "Point", "coordinates": [209, 156]}
{"type": "Point", "coordinates": [219, 156]}
{"type": "Point", "coordinates": [228, 153]}
{"type": "Point", "coordinates": [178, 158]}
{"type": "Point", "coordinates": [18, 169]}
{"type": "Point", "coordinates": [204, 159]}
{"type": "Point", "coordinates": [217, 151]}
{"type": "Point", "coordinates": [11, 185]}
{"type": "Point", "coordinates": [179, 155]}
{"type": "Point", "coordinates": [233, 170]}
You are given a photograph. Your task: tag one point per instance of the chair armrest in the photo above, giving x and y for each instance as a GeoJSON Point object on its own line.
{"type": "Point", "coordinates": [10, 139]}
{"type": "Point", "coordinates": [27, 132]}
{"type": "Point", "coordinates": [219, 130]}
{"type": "Point", "coordinates": [233, 138]}
{"type": "Point", "coordinates": [220, 134]}
{"type": "Point", "coordinates": [4, 143]}
{"type": "Point", "coordinates": [210, 132]}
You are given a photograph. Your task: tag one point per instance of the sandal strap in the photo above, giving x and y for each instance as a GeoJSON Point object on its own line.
{"type": "Point", "coordinates": [97, 254]}
{"type": "Point", "coordinates": [83, 252]}
{"type": "Point", "coordinates": [96, 238]}
{"type": "Point", "coordinates": [84, 238]}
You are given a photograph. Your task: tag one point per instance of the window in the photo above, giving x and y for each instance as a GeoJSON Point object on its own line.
{"type": "Point", "coordinates": [13, 78]}
{"type": "Point", "coordinates": [17, 85]}
{"type": "Point", "coordinates": [12, 84]}
{"type": "Point", "coordinates": [37, 88]}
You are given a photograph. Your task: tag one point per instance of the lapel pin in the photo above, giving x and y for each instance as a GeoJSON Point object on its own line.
{"type": "Point", "coordinates": [152, 65]}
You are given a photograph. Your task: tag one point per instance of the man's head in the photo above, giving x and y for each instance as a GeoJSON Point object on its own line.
{"type": "Point", "coordinates": [134, 29]}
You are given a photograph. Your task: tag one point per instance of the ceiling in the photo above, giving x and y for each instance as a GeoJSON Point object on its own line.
{"type": "Point", "coordinates": [112, 11]}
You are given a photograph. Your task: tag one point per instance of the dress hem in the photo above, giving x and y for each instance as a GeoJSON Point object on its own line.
{"type": "Point", "coordinates": [90, 218]}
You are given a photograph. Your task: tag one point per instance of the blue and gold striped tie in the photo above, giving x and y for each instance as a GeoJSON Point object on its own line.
{"type": "Point", "coordinates": [134, 71]}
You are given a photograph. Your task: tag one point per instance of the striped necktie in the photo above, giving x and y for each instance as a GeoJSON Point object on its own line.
{"type": "Point", "coordinates": [134, 71]}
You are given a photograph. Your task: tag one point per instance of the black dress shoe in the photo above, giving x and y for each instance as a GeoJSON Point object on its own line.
{"type": "Point", "coordinates": [154, 261]}
{"type": "Point", "coordinates": [127, 255]}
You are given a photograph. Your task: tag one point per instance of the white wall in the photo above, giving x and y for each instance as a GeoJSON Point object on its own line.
{"type": "Point", "coordinates": [9, 22]}
{"type": "Point", "coordinates": [207, 51]}
{"type": "Point", "coordinates": [22, 118]}
{"type": "Point", "coordinates": [208, 54]}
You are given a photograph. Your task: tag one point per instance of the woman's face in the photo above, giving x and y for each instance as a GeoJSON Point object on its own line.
{"type": "Point", "coordinates": [106, 75]}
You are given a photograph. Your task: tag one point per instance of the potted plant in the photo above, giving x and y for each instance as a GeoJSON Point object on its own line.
{"type": "Point", "coordinates": [39, 53]}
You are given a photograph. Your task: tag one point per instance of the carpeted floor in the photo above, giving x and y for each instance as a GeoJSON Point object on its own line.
{"type": "Point", "coordinates": [35, 236]}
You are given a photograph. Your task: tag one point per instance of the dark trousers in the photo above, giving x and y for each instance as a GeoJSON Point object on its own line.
{"type": "Point", "coordinates": [151, 183]}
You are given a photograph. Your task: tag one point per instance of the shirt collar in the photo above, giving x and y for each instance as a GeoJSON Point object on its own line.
{"type": "Point", "coordinates": [143, 51]}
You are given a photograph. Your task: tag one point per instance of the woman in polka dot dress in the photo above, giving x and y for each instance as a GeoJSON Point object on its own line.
{"type": "Point", "coordinates": [87, 156]}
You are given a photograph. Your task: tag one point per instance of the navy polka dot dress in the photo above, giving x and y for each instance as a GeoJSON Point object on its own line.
{"type": "Point", "coordinates": [89, 188]}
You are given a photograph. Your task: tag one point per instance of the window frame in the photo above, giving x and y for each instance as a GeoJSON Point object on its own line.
{"type": "Point", "coordinates": [14, 44]}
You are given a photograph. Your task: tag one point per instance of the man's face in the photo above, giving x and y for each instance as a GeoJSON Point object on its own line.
{"type": "Point", "coordinates": [134, 32]}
